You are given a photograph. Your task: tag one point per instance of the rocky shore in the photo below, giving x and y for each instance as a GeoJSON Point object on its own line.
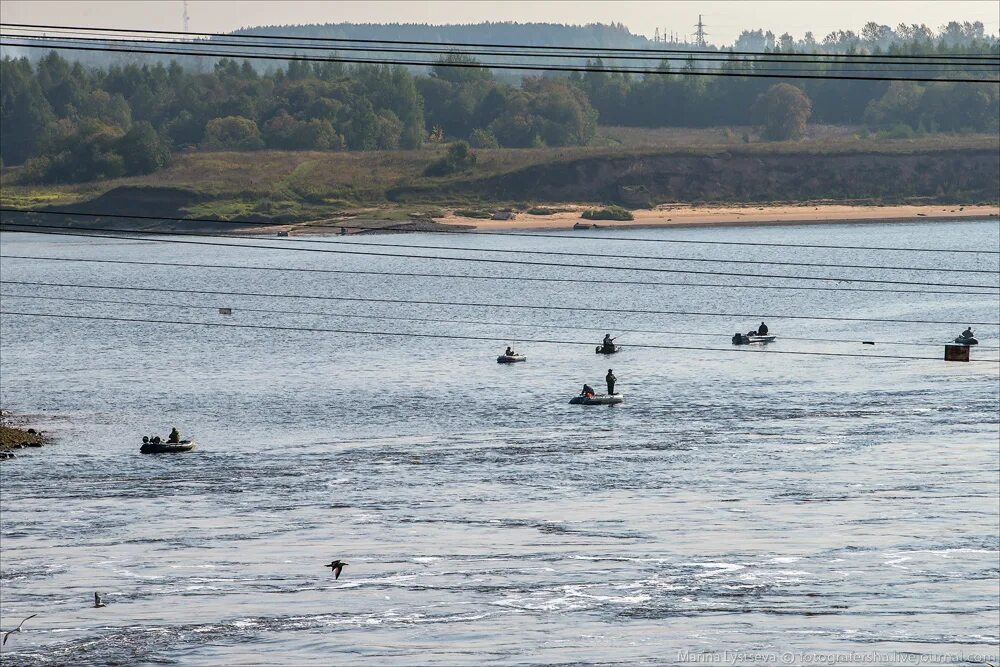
{"type": "Point", "coordinates": [14, 437]}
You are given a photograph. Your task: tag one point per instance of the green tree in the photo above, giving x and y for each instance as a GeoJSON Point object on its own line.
{"type": "Point", "coordinates": [142, 149]}
{"type": "Point", "coordinates": [232, 133]}
{"type": "Point", "coordinates": [25, 114]}
{"type": "Point", "coordinates": [782, 112]}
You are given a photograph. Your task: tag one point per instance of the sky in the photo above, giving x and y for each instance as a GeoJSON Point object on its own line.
{"type": "Point", "coordinates": [724, 18]}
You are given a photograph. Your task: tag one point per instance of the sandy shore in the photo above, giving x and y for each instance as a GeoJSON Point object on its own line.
{"type": "Point", "coordinates": [685, 215]}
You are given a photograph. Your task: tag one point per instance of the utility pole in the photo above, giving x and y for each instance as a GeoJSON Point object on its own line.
{"type": "Point", "coordinates": [700, 34]}
{"type": "Point", "coordinates": [186, 17]}
{"type": "Point", "coordinates": [656, 35]}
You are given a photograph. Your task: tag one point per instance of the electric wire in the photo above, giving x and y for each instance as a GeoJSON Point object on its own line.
{"type": "Point", "coordinates": [488, 260]}
{"type": "Point", "coordinates": [527, 67]}
{"type": "Point", "coordinates": [564, 253]}
{"type": "Point", "coordinates": [599, 49]}
{"type": "Point", "coordinates": [412, 274]}
{"type": "Point", "coordinates": [355, 332]}
{"type": "Point", "coordinates": [371, 299]}
{"type": "Point", "coordinates": [438, 320]}
{"type": "Point", "coordinates": [402, 227]}
{"type": "Point", "coordinates": [931, 64]}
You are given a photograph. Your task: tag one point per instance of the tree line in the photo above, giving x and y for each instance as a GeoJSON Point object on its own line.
{"type": "Point", "coordinates": [66, 122]}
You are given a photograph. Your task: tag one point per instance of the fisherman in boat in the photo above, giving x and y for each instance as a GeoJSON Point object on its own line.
{"type": "Point", "coordinates": [588, 391]}
{"type": "Point", "coordinates": [610, 379]}
{"type": "Point", "coordinates": [175, 435]}
{"type": "Point", "coordinates": [609, 343]}
{"type": "Point", "coordinates": [762, 329]}
{"type": "Point", "coordinates": [968, 333]}
{"type": "Point", "coordinates": [509, 352]}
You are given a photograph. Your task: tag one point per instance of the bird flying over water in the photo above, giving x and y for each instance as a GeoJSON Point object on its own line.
{"type": "Point", "coordinates": [17, 629]}
{"type": "Point", "coordinates": [97, 600]}
{"type": "Point", "coordinates": [336, 566]}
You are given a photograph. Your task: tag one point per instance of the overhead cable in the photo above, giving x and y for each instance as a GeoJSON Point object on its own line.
{"type": "Point", "coordinates": [527, 67]}
{"type": "Point", "coordinates": [404, 227]}
{"type": "Point", "coordinates": [495, 339]}
{"type": "Point", "coordinates": [28, 228]}
{"type": "Point", "coordinates": [412, 274]}
{"type": "Point", "coordinates": [439, 320]}
{"type": "Point", "coordinates": [494, 304]}
{"type": "Point", "coordinates": [303, 38]}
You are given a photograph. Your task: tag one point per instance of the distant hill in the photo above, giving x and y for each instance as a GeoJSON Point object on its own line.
{"type": "Point", "coordinates": [544, 34]}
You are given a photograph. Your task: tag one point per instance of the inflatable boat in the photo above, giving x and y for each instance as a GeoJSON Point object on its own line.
{"type": "Point", "coordinates": [511, 358]}
{"type": "Point", "coordinates": [743, 339]}
{"type": "Point", "coordinates": [601, 349]}
{"type": "Point", "coordinates": [598, 399]}
{"type": "Point", "coordinates": [162, 447]}
{"type": "Point", "coordinates": [966, 341]}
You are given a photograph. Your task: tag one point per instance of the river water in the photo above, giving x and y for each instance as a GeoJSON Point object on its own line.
{"type": "Point", "coordinates": [741, 506]}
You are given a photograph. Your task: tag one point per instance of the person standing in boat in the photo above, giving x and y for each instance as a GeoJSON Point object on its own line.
{"type": "Point", "coordinates": [762, 329]}
{"type": "Point", "coordinates": [610, 379]}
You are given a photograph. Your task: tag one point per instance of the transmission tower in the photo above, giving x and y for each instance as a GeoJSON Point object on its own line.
{"type": "Point", "coordinates": [186, 18]}
{"type": "Point", "coordinates": [700, 34]}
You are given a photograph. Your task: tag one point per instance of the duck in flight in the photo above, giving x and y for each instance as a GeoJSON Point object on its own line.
{"type": "Point", "coordinates": [98, 602]}
{"type": "Point", "coordinates": [17, 629]}
{"type": "Point", "coordinates": [336, 567]}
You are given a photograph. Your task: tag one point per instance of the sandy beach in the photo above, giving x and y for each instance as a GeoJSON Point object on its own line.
{"type": "Point", "coordinates": [681, 215]}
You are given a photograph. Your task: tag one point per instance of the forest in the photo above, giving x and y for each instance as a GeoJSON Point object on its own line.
{"type": "Point", "coordinates": [69, 122]}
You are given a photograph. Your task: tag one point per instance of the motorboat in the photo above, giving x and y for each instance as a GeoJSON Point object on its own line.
{"type": "Point", "coordinates": [598, 399]}
{"type": "Point", "coordinates": [511, 358]}
{"type": "Point", "coordinates": [157, 446]}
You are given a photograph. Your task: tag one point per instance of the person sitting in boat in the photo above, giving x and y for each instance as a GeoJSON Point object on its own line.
{"type": "Point", "coordinates": [608, 343]}
{"type": "Point", "coordinates": [588, 391]}
{"type": "Point", "coordinates": [968, 333]}
{"type": "Point", "coordinates": [509, 352]}
{"type": "Point", "coordinates": [762, 329]}
{"type": "Point", "coordinates": [175, 435]}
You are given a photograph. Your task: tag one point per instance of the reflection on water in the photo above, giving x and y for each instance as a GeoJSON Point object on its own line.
{"type": "Point", "coordinates": [752, 502]}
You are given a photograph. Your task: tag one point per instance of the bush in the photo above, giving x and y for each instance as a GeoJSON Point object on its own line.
{"type": "Point", "coordinates": [458, 158]}
{"type": "Point", "coordinates": [481, 138]}
{"type": "Point", "coordinates": [608, 213]}
{"type": "Point", "coordinates": [542, 210]}
{"type": "Point", "coordinates": [473, 213]}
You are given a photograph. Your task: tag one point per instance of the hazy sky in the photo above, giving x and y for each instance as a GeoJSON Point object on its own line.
{"type": "Point", "coordinates": [724, 18]}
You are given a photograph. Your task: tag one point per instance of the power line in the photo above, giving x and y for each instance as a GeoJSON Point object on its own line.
{"type": "Point", "coordinates": [400, 228]}
{"type": "Point", "coordinates": [454, 259]}
{"type": "Point", "coordinates": [411, 274]}
{"type": "Point", "coordinates": [460, 337]}
{"type": "Point", "coordinates": [502, 66]}
{"type": "Point", "coordinates": [634, 311]}
{"type": "Point", "coordinates": [471, 44]}
{"type": "Point", "coordinates": [438, 320]}
{"type": "Point", "coordinates": [605, 255]}
{"type": "Point", "coordinates": [931, 61]}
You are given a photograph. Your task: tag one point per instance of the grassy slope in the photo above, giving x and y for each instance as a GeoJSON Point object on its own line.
{"type": "Point", "coordinates": [304, 184]}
